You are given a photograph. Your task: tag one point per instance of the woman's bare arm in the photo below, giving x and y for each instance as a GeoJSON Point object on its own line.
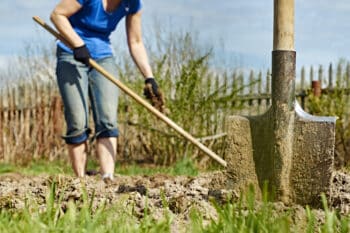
{"type": "Point", "coordinates": [59, 16]}
{"type": "Point", "coordinates": [135, 43]}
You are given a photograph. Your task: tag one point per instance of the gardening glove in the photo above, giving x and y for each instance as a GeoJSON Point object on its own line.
{"type": "Point", "coordinates": [82, 54]}
{"type": "Point", "coordinates": [152, 92]}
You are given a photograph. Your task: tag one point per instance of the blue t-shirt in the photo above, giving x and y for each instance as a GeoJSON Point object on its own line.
{"type": "Point", "coordinates": [94, 25]}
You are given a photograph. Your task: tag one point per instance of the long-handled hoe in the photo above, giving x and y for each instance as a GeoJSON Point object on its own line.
{"type": "Point", "coordinates": [137, 98]}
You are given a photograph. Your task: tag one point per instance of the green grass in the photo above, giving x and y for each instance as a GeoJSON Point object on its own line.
{"type": "Point", "coordinates": [37, 168]}
{"type": "Point", "coordinates": [241, 216]}
{"type": "Point", "coordinates": [182, 167]}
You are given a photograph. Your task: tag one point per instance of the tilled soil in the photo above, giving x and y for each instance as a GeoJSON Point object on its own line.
{"type": "Point", "coordinates": [340, 193]}
{"type": "Point", "coordinates": [181, 193]}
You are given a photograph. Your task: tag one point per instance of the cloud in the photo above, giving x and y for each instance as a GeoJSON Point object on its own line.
{"type": "Point", "coordinates": [245, 27]}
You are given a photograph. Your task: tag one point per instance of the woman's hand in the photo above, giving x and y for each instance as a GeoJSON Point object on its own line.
{"type": "Point", "coordinates": [152, 92]}
{"type": "Point", "coordinates": [82, 54]}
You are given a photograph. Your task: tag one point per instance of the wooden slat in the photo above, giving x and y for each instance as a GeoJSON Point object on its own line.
{"type": "Point", "coordinates": [1, 125]}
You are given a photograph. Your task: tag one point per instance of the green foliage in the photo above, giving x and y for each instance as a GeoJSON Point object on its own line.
{"type": "Point", "coordinates": [247, 215]}
{"type": "Point", "coordinates": [244, 215]}
{"type": "Point", "coordinates": [311, 225]}
{"type": "Point", "coordinates": [335, 103]}
{"type": "Point", "coordinates": [198, 99]}
{"type": "Point", "coordinates": [184, 167]}
{"type": "Point", "coordinates": [334, 222]}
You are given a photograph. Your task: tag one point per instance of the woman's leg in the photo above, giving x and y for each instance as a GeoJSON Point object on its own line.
{"type": "Point", "coordinates": [78, 156]}
{"type": "Point", "coordinates": [72, 79]}
{"type": "Point", "coordinates": [104, 103]}
{"type": "Point", "coordinates": [106, 152]}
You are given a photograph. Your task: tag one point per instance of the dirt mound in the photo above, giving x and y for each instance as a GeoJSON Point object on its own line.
{"type": "Point", "coordinates": [181, 193]}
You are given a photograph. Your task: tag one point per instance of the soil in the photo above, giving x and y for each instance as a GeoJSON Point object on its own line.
{"type": "Point", "coordinates": [181, 194]}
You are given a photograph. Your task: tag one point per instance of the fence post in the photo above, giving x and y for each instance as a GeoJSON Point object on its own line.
{"type": "Point", "coordinates": [302, 79]}
{"type": "Point", "coordinates": [5, 122]}
{"type": "Point", "coordinates": [28, 104]}
{"type": "Point", "coordinates": [268, 87]}
{"type": "Point", "coordinates": [339, 81]}
{"type": "Point", "coordinates": [320, 75]}
{"type": "Point", "coordinates": [1, 124]}
{"type": "Point", "coordinates": [38, 121]}
{"type": "Point", "coordinates": [302, 87]}
{"type": "Point", "coordinates": [10, 124]}
{"type": "Point", "coordinates": [234, 86]}
{"type": "Point", "coordinates": [330, 77]}
{"type": "Point", "coordinates": [225, 92]}
{"type": "Point", "coordinates": [16, 126]}
{"type": "Point", "coordinates": [259, 91]}
{"type": "Point", "coordinates": [22, 108]}
{"type": "Point", "coordinates": [242, 89]}
{"type": "Point", "coordinates": [251, 88]}
{"type": "Point", "coordinates": [47, 130]}
{"type": "Point", "coordinates": [347, 75]}
{"type": "Point", "coordinates": [311, 75]}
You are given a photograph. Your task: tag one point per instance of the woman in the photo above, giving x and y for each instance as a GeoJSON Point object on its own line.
{"type": "Point", "coordinates": [87, 25]}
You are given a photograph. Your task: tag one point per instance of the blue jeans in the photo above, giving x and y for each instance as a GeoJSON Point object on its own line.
{"type": "Point", "coordinates": [81, 86]}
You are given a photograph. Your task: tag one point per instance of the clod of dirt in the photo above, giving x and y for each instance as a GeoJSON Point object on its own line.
{"type": "Point", "coordinates": [340, 195]}
{"type": "Point", "coordinates": [141, 189]}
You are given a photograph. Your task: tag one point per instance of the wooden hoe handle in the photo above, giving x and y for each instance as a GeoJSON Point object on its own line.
{"type": "Point", "coordinates": [138, 99]}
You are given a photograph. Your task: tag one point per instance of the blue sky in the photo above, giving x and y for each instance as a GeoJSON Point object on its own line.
{"type": "Point", "coordinates": [239, 30]}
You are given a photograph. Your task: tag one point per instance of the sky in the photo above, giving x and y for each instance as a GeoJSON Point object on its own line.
{"type": "Point", "coordinates": [240, 31]}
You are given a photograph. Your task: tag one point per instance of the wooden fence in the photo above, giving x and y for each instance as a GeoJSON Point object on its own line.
{"type": "Point", "coordinates": [31, 113]}
{"type": "Point", "coordinates": [30, 121]}
{"type": "Point", "coordinates": [256, 94]}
